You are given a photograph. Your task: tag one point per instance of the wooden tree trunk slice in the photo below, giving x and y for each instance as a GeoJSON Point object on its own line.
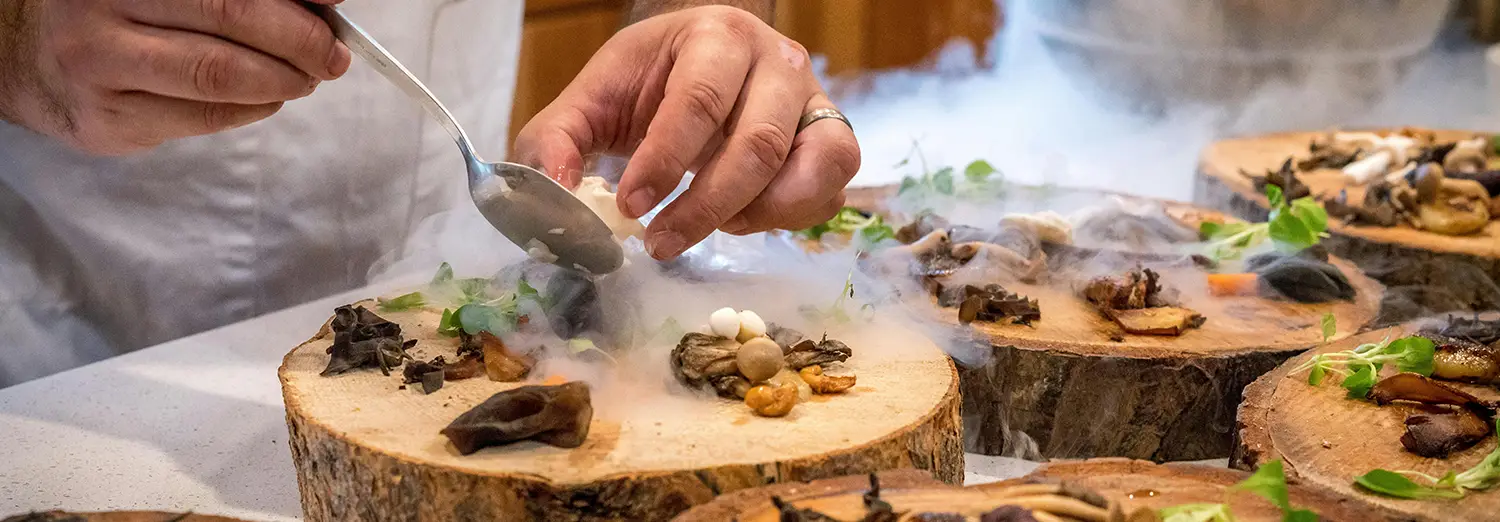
{"type": "Point", "coordinates": [1401, 257]}
{"type": "Point", "coordinates": [1326, 439]}
{"type": "Point", "coordinates": [1144, 485]}
{"type": "Point", "coordinates": [366, 451]}
{"type": "Point", "coordinates": [116, 516]}
{"type": "Point", "coordinates": [1063, 388]}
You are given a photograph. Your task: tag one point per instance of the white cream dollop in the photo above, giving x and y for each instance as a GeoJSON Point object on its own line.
{"type": "Point", "coordinates": [594, 192]}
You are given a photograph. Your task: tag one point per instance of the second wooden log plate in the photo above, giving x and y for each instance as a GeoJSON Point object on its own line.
{"type": "Point", "coordinates": [1380, 250]}
{"type": "Point", "coordinates": [366, 451]}
{"type": "Point", "coordinates": [1138, 484]}
{"type": "Point", "coordinates": [1327, 439]}
{"type": "Point", "coordinates": [1063, 388]}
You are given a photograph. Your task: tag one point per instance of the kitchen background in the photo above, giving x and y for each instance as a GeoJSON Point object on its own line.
{"type": "Point", "coordinates": [1117, 94]}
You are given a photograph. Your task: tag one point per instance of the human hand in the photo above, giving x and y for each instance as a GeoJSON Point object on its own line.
{"type": "Point", "coordinates": [709, 89]}
{"type": "Point", "coordinates": [118, 76]}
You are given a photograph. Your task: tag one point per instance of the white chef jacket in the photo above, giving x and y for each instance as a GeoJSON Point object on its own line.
{"type": "Point", "coordinates": [99, 256]}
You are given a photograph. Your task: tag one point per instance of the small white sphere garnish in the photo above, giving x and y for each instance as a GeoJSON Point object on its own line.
{"type": "Point", "coordinates": [725, 322]}
{"type": "Point", "coordinates": [751, 326]}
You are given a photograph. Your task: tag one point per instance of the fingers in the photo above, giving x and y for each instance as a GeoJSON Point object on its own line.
{"type": "Point", "coordinates": [129, 122]}
{"type": "Point", "coordinates": [282, 29]}
{"type": "Point", "coordinates": [192, 66]}
{"type": "Point", "coordinates": [553, 142]}
{"type": "Point", "coordinates": [758, 142]}
{"type": "Point", "coordinates": [700, 92]}
{"type": "Point", "coordinates": [825, 156]}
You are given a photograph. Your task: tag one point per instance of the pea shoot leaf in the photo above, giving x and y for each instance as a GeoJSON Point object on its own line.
{"type": "Point", "coordinates": [448, 325]}
{"type": "Point", "coordinates": [1330, 326]}
{"type": "Point", "coordinates": [1415, 354]}
{"type": "Point", "coordinates": [444, 274]}
{"type": "Point", "coordinates": [475, 318]}
{"type": "Point", "coordinates": [402, 303]}
{"type": "Point", "coordinates": [1361, 378]}
{"type": "Point", "coordinates": [979, 171]}
{"type": "Point", "coordinates": [1315, 377]}
{"type": "Point", "coordinates": [942, 180]}
{"type": "Point", "coordinates": [1275, 196]}
{"type": "Point", "coordinates": [1392, 484]}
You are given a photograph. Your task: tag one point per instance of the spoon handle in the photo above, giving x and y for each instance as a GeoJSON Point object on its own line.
{"type": "Point", "coordinates": [362, 44]}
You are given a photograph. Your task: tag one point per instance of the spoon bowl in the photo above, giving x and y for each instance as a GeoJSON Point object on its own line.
{"type": "Point", "coordinates": [530, 209]}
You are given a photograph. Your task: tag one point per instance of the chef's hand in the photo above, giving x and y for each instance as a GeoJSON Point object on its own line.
{"type": "Point", "coordinates": [118, 76]}
{"type": "Point", "coordinates": [709, 89]}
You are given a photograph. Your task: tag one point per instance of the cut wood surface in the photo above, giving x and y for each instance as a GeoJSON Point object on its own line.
{"type": "Point", "coordinates": [1326, 439]}
{"type": "Point", "coordinates": [116, 516]}
{"type": "Point", "coordinates": [365, 450]}
{"type": "Point", "coordinates": [1397, 256]}
{"type": "Point", "coordinates": [1138, 484]}
{"type": "Point", "coordinates": [1066, 388]}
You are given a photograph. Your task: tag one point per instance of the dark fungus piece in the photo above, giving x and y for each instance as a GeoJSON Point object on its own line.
{"type": "Point", "coordinates": [925, 223]}
{"type": "Point", "coordinates": [1475, 329]}
{"type": "Point", "coordinates": [362, 339]}
{"type": "Point", "coordinates": [1008, 514]}
{"type": "Point", "coordinates": [1304, 280]}
{"type": "Point", "coordinates": [430, 374]}
{"type": "Point", "coordinates": [1437, 432]}
{"type": "Point", "coordinates": [992, 303]}
{"type": "Point", "coordinates": [876, 509]}
{"type": "Point", "coordinates": [702, 360]}
{"type": "Point", "coordinates": [807, 353]}
{"type": "Point", "coordinates": [1139, 288]}
{"type": "Point", "coordinates": [1284, 178]}
{"type": "Point", "coordinates": [554, 415]}
{"type": "Point", "coordinates": [784, 337]}
{"type": "Point", "coordinates": [790, 513]}
{"type": "Point", "coordinates": [572, 304]}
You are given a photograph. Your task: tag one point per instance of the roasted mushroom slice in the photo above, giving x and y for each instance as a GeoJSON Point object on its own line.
{"type": "Point", "coordinates": [1283, 178]}
{"type": "Point", "coordinates": [925, 223]}
{"type": "Point", "coordinates": [553, 415]}
{"type": "Point", "coordinates": [824, 352]}
{"type": "Point", "coordinates": [1468, 156]}
{"type": "Point", "coordinates": [931, 255]}
{"type": "Point", "coordinates": [988, 261]}
{"type": "Point", "coordinates": [702, 360]}
{"type": "Point", "coordinates": [1412, 387]}
{"type": "Point", "coordinates": [1448, 206]}
{"type": "Point", "coordinates": [991, 303]}
{"type": "Point", "coordinates": [1166, 320]}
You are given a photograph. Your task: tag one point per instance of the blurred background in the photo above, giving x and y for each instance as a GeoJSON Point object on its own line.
{"type": "Point", "coordinates": [1115, 94]}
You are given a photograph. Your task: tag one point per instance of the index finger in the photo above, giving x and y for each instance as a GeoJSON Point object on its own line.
{"type": "Point", "coordinates": [283, 29]}
{"type": "Point", "coordinates": [701, 90]}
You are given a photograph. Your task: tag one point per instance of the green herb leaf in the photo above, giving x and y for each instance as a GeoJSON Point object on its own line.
{"type": "Point", "coordinates": [1315, 377]}
{"type": "Point", "coordinates": [475, 318]}
{"type": "Point", "coordinates": [1416, 354]}
{"type": "Point", "coordinates": [444, 274]}
{"type": "Point", "coordinates": [1360, 380]}
{"type": "Point", "coordinates": [1311, 213]}
{"type": "Point", "coordinates": [448, 325]}
{"type": "Point", "coordinates": [1274, 195]}
{"type": "Point", "coordinates": [1299, 515]}
{"type": "Point", "coordinates": [942, 180]}
{"type": "Point", "coordinates": [1392, 484]}
{"type": "Point", "coordinates": [1330, 326]}
{"type": "Point", "coordinates": [907, 183]}
{"type": "Point", "coordinates": [524, 290]}
{"type": "Point", "coordinates": [402, 303]}
{"type": "Point", "coordinates": [1270, 483]}
{"type": "Point", "coordinates": [1289, 233]}
{"type": "Point", "coordinates": [873, 235]}
{"type": "Point", "coordinates": [1495, 144]}
{"type": "Point", "coordinates": [979, 171]}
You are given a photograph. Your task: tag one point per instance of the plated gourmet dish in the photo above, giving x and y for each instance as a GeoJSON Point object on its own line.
{"type": "Point", "coordinates": [555, 395]}
{"type": "Point", "coordinates": [1415, 208]}
{"type": "Point", "coordinates": [1402, 418]}
{"type": "Point", "coordinates": [1072, 300]}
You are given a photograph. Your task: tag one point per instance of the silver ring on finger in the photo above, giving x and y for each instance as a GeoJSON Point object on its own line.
{"type": "Point", "coordinates": [822, 114]}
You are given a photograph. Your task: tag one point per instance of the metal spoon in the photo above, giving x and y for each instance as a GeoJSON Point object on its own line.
{"type": "Point", "coordinates": [522, 203]}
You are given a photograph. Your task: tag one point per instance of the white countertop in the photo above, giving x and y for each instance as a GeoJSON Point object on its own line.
{"type": "Point", "coordinates": [196, 424]}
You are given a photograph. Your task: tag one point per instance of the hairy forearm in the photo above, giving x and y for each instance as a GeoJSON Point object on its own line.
{"type": "Point", "coordinates": [643, 9]}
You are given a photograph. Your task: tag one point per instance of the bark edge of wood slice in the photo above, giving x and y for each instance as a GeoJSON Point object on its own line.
{"type": "Point", "coordinates": [353, 464]}
{"type": "Point", "coordinates": [1141, 484]}
{"type": "Point", "coordinates": [1326, 440]}
{"type": "Point", "coordinates": [1064, 389]}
